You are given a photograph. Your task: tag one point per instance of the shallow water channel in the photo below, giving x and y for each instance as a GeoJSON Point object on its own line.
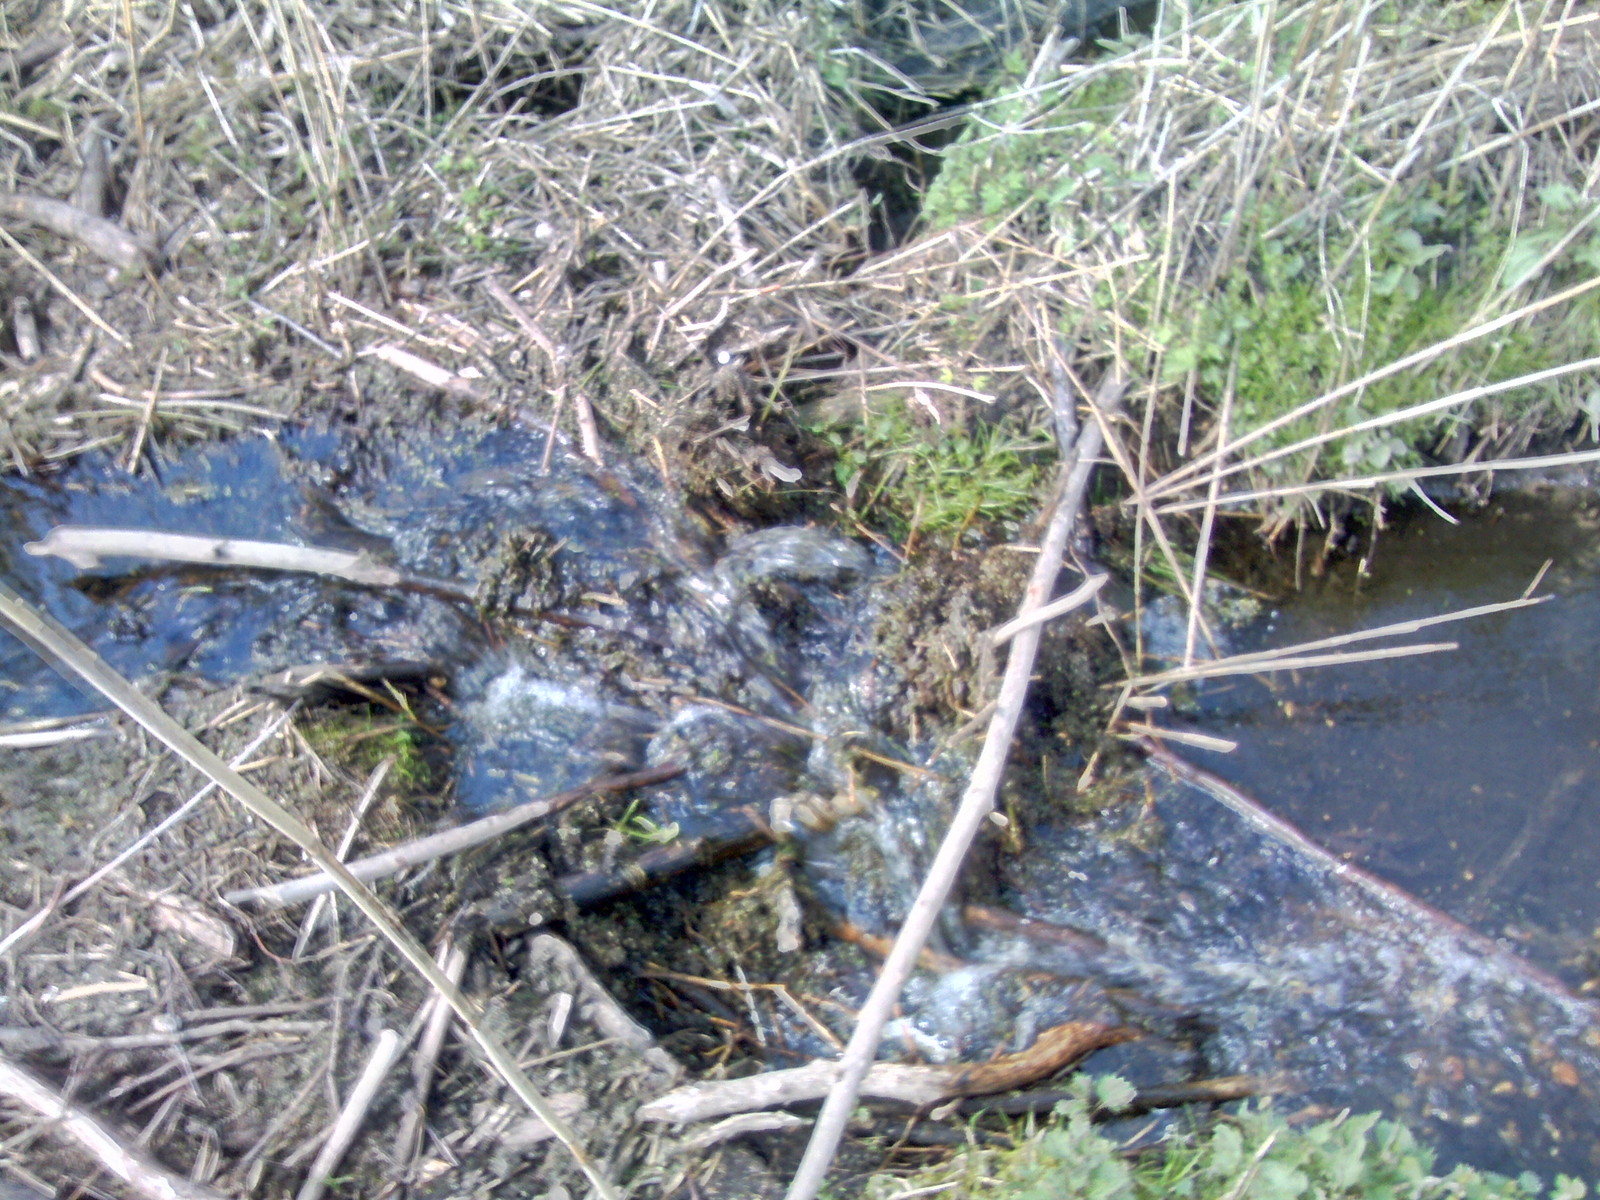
{"type": "Point", "coordinates": [1238, 948]}
{"type": "Point", "coordinates": [1469, 778]}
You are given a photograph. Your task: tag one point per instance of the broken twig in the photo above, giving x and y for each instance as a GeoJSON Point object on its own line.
{"type": "Point", "coordinates": [84, 546]}
{"type": "Point", "coordinates": [450, 841]}
{"type": "Point", "coordinates": [921, 1083]}
{"type": "Point", "coordinates": [380, 1062]}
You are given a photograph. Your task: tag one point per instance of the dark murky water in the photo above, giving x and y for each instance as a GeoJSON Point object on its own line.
{"type": "Point", "coordinates": [663, 624]}
{"type": "Point", "coordinates": [1238, 952]}
{"type": "Point", "coordinates": [1470, 778]}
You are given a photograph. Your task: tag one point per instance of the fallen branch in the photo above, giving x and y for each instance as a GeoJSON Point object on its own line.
{"type": "Point", "coordinates": [142, 1174]}
{"type": "Point", "coordinates": [450, 841]}
{"type": "Point", "coordinates": [975, 807]}
{"type": "Point", "coordinates": [908, 1083]}
{"type": "Point", "coordinates": [1219, 1090]}
{"type": "Point", "coordinates": [106, 239]}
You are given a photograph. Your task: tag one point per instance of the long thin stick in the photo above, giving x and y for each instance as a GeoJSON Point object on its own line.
{"type": "Point", "coordinates": [84, 546]}
{"type": "Point", "coordinates": [449, 841]}
{"type": "Point", "coordinates": [60, 646]}
{"type": "Point", "coordinates": [976, 805]}
{"type": "Point", "coordinates": [380, 1061]}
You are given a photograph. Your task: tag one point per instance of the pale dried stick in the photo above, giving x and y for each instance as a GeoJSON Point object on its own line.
{"type": "Point", "coordinates": [84, 546]}
{"type": "Point", "coordinates": [976, 805]}
{"type": "Point", "coordinates": [910, 1083]}
{"type": "Point", "coordinates": [408, 1141]}
{"type": "Point", "coordinates": [1182, 477]}
{"type": "Point", "coordinates": [588, 431]}
{"type": "Point", "coordinates": [429, 373]}
{"type": "Point", "coordinates": [1202, 550]}
{"type": "Point", "coordinates": [449, 841]}
{"type": "Point", "coordinates": [147, 416]}
{"type": "Point", "coordinates": [1077, 598]}
{"type": "Point", "coordinates": [1414, 411]}
{"type": "Point", "coordinates": [369, 793]}
{"type": "Point", "coordinates": [1406, 475]}
{"type": "Point", "coordinates": [140, 1173]}
{"type": "Point", "coordinates": [385, 1050]}
{"type": "Point", "coordinates": [1273, 660]}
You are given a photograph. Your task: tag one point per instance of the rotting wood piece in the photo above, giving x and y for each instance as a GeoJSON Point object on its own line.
{"type": "Point", "coordinates": [1055, 1049]}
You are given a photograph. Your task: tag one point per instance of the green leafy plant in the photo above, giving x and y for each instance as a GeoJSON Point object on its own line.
{"type": "Point", "coordinates": [1254, 1155]}
{"type": "Point", "coordinates": [1236, 284]}
{"type": "Point", "coordinates": [900, 476]}
{"type": "Point", "coordinates": [637, 827]}
{"type": "Point", "coordinates": [358, 740]}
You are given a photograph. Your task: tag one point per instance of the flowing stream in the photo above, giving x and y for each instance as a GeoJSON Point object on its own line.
{"type": "Point", "coordinates": [1467, 779]}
